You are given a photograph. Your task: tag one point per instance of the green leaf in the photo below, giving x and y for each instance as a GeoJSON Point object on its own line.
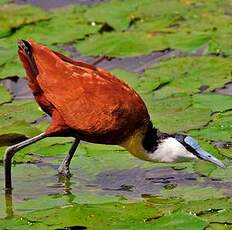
{"type": "Point", "coordinates": [201, 207]}
{"type": "Point", "coordinates": [117, 14]}
{"type": "Point", "coordinates": [16, 119]}
{"type": "Point", "coordinates": [12, 68]}
{"type": "Point", "coordinates": [219, 129]}
{"type": "Point", "coordinates": [224, 216]}
{"type": "Point", "coordinates": [179, 221]}
{"type": "Point", "coordinates": [19, 110]}
{"type": "Point", "coordinates": [13, 16]}
{"type": "Point", "coordinates": [187, 75]}
{"type": "Point", "coordinates": [132, 79]}
{"type": "Point", "coordinates": [193, 193]}
{"type": "Point", "coordinates": [224, 175]}
{"type": "Point", "coordinates": [216, 102]}
{"type": "Point", "coordinates": [5, 96]}
{"type": "Point", "coordinates": [119, 44]}
{"type": "Point", "coordinates": [169, 114]}
{"type": "Point", "coordinates": [156, 9]}
{"type": "Point", "coordinates": [49, 32]}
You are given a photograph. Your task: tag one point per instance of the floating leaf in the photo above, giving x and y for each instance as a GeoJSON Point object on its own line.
{"type": "Point", "coordinates": [14, 16]}
{"type": "Point", "coordinates": [4, 95]}
{"type": "Point", "coordinates": [156, 9]}
{"type": "Point", "coordinates": [11, 69]}
{"type": "Point", "coordinates": [220, 129]}
{"type": "Point", "coordinates": [19, 110]}
{"type": "Point", "coordinates": [224, 216]}
{"type": "Point", "coordinates": [224, 175]}
{"type": "Point", "coordinates": [169, 114]}
{"type": "Point", "coordinates": [179, 220]}
{"type": "Point", "coordinates": [117, 14]}
{"type": "Point", "coordinates": [119, 44]}
{"type": "Point", "coordinates": [49, 32]}
{"type": "Point", "coordinates": [187, 75]}
{"type": "Point", "coordinates": [201, 207]}
{"type": "Point", "coordinates": [216, 102]}
{"type": "Point", "coordinates": [193, 193]}
{"type": "Point", "coordinates": [108, 216]}
{"type": "Point", "coordinates": [132, 79]}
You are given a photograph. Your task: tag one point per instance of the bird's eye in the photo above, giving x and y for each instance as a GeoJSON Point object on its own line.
{"type": "Point", "coordinates": [191, 142]}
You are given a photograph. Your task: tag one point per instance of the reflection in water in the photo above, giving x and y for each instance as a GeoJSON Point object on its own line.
{"type": "Point", "coordinates": [62, 180]}
{"type": "Point", "coordinates": [66, 183]}
{"type": "Point", "coordinates": [9, 204]}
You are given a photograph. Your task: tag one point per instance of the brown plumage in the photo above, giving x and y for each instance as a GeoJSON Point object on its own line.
{"type": "Point", "coordinates": [83, 100]}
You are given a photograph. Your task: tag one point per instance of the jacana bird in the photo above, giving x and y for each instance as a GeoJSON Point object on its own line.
{"type": "Point", "coordinates": [90, 104]}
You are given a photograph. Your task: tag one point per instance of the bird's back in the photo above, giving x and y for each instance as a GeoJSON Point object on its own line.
{"type": "Point", "coordinates": [94, 103]}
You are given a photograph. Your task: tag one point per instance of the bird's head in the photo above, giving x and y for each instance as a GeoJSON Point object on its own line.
{"type": "Point", "coordinates": [153, 145]}
{"type": "Point", "coordinates": [179, 146]}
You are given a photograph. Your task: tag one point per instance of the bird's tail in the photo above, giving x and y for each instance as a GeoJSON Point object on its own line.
{"type": "Point", "coordinates": [25, 53]}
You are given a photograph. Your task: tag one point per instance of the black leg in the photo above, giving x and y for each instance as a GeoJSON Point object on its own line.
{"type": "Point", "coordinates": [64, 167]}
{"type": "Point", "coordinates": [100, 59]}
{"type": "Point", "coordinates": [9, 153]}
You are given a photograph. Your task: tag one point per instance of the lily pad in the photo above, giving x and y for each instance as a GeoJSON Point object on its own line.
{"type": "Point", "coordinates": [216, 102]}
{"type": "Point", "coordinates": [219, 129]}
{"type": "Point", "coordinates": [11, 69]}
{"type": "Point", "coordinates": [119, 44]}
{"type": "Point", "coordinates": [108, 216]}
{"type": "Point", "coordinates": [16, 119]}
{"type": "Point", "coordinates": [193, 193]}
{"type": "Point", "coordinates": [201, 207]}
{"type": "Point", "coordinates": [132, 79]}
{"type": "Point", "coordinates": [169, 114]}
{"type": "Point", "coordinates": [5, 96]}
{"type": "Point", "coordinates": [179, 220]}
{"type": "Point", "coordinates": [117, 14]}
{"type": "Point", "coordinates": [48, 32]}
{"type": "Point", "coordinates": [14, 16]}
{"type": "Point", "coordinates": [27, 111]}
{"type": "Point", "coordinates": [187, 75]}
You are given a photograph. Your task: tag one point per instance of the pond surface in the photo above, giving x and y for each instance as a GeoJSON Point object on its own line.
{"type": "Point", "coordinates": [178, 59]}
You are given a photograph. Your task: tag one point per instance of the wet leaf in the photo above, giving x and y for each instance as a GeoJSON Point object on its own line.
{"type": "Point", "coordinates": [224, 175]}
{"type": "Point", "coordinates": [27, 111]}
{"type": "Point", "coordinates": [111, 215]}
{"type": "Point", "coordinates": [169, 114]}
{"type": "Point", "coordinates": [219, 129]}
{"type": "Point", "coordinates": [11, 69]}
{"type": "Point", "coordinates": [224, 216]}
{"type": "Point", "coordinates": [187, 75]}
{"type": "Point", "coordinates": [119, 44]}
{"type": "Point", "coordinates": [5, 96]}
{"type": "Point", "coordinates": [193, 193]}
{"type": "Point", "coordinates": [132, 79]}
{"type": "Point", "coordinates": [216, 102]}
{"type": "Point", "coordinates": [201, 207]}
{"type": "Point", "coordinates": [117, 14]}
{"type": "Point", "coordinates": [180, 220]}
{"type": "Point", "coordinates": [14, 16]}
{"type": "Point", "coordinates": [48, 32]}
{"type": "Point", "coordinates": [156, 9]}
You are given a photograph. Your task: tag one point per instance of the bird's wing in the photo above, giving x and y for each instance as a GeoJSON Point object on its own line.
{"type": "Point", "coordinates": [88, 99]}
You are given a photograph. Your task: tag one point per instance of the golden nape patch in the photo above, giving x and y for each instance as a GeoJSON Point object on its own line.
{"type": "Point", "coordinates": [134, 144]}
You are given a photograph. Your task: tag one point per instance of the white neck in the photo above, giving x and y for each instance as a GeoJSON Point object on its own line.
{"type": "Point", "coordinates": [170, 150]}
